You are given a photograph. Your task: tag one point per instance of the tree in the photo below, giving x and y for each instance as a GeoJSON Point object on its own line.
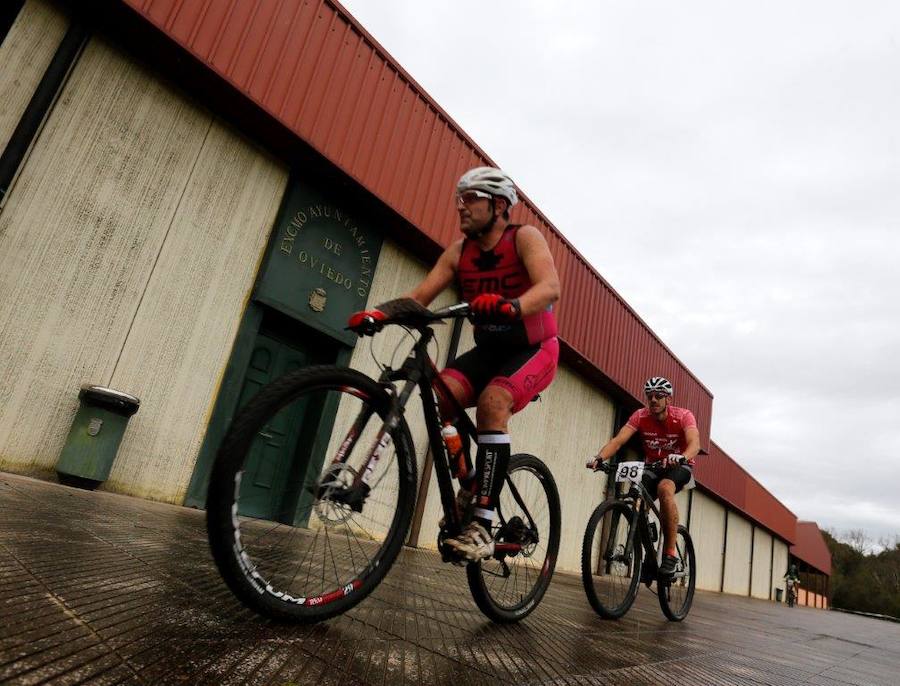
{"type": "Point", "coordinates": [862, 579]}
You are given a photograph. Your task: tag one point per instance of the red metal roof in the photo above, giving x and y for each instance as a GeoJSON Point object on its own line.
{"type": "Point", "coordinates": [311, 66]}
{"type": "Point", "coordinates": [723, 477]}
{"type": "Point", "coordinates": [811, 547]}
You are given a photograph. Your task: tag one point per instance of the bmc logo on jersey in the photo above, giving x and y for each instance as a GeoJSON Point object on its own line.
{"type": "Point", "coordinates": [492, 284]}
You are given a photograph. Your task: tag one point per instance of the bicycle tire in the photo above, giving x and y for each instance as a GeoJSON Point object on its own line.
{"type": "Point", "coordinates": [603, 607]}
{"type": "Point", "coordinates": [224, 529]}
{"type": "Point", "coordinates": [685, 547]}
{"type": "Point", "coordinates": [484, 592]}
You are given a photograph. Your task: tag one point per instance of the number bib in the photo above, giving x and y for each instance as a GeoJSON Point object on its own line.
{"type": "Point", "coordinates": [630, 471]}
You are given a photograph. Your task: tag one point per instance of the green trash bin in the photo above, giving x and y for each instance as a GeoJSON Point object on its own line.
{"type": "Point", "coordinates": [778, 592]}
{"type": "Point", "coordinates": [94, 438]}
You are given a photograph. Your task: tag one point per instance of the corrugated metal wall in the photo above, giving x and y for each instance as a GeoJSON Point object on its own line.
{"type": "Point", "coordinates": [721, 475]}
{"type": "Point", "coordinates": [811, 547]}
{"type": "Point", "coordinates": [316, 70]}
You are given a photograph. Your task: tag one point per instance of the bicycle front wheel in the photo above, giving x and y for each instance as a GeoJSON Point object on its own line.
{"type": "Point", "coordinates": [611, 559]}
{"type": "Point", "coordinates": [677, 593]}
{"type": "Point", "coordinates": [509, 585]}
{"type": "Point", "coordinates": [307, 540]}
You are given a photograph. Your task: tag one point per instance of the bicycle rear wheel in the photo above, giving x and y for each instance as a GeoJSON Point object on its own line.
{"type": "Point", "coordinates": [611, 559]}
{"type": "Point", "coordinates": [507, 587]}
{"type": "Point", "coordinates": [326, 540]}
{"type": "Point", "coordinates": [677, 594]}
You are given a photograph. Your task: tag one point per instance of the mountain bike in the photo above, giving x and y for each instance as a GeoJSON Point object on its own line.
{"type": "Point", "coordinates": [791, 592]}
{"type": "Point", "coordinates": [338, 530]}
{"type": "Point", "coordinates": [622, 548]}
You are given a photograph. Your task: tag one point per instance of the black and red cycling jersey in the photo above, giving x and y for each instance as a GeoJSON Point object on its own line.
{"type": "Point", "coordinates": [501, 270]}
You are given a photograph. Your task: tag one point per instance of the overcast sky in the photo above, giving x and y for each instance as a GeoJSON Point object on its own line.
{"type": "Point", "coordinates": [733, 170]}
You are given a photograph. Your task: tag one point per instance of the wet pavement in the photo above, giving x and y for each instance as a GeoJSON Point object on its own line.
{"type": "Point", "coordinates": [97, 588]}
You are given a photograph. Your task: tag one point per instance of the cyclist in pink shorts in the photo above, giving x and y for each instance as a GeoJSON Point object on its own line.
{"type": "Point", "coordinates": [506, 273]}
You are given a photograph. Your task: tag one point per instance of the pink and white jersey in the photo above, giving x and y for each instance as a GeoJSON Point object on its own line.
{"type": "Point", "coordinates": [660, 439]}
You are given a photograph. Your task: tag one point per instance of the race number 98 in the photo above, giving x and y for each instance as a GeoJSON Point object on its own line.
{"type": "Point", "coordinates": [630, 471]}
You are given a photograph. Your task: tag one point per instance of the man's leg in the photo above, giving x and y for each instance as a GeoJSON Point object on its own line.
{"type": "Point", "coordinates": [668, 515]}
{"type": "Point", "coordinates": [462, 393]}
{"type": "Point", "coordinates": [668, 511]}
{"type": "Point", "coordinates": [495, 405]}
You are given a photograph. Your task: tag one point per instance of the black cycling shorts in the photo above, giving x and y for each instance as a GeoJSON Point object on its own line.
{"type": "Point", "coordinates": [680, 474]}
{"type": "Point", "coordinates": [523, 372]}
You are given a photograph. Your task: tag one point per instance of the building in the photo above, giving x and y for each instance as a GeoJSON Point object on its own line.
{"type": "Point", "coordinates": [813, 560]}
{"type": "Point", "coordinates": [183, 182]}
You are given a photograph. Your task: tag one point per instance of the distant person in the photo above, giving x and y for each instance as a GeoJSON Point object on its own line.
{"type": "Point", "coordinates": [670, 441]}
{"type": "Point", "coordinates": [792, 579]}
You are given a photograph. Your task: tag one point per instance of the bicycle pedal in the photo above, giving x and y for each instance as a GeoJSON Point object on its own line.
{"type": "Point", "coordinates": [447, 553]}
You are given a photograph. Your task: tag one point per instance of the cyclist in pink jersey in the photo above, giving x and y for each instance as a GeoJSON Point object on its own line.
{"type": "Point", "coordinates": [671, 441]}
{"type": "Point", "coordinates": [506, 273]}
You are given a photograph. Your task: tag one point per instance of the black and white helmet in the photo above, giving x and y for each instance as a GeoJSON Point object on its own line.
{"type": "Point", "coordinates": [657, 384]}
{"type": "Point", "coordinates": [489, 180]}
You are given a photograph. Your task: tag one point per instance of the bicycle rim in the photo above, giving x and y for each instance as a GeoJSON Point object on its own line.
{"type": "Point", "coordinates": [677, 594]}
{"type": "Point", "coordinates": [508, 587]}
{"type": "Point", "coordinates": [611, 560]}
{"type": "Point", "coordinates": [324, 541]}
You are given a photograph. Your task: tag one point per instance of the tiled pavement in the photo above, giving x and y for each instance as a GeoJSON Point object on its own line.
{"type": "Point", "coordinates": [104, 589]}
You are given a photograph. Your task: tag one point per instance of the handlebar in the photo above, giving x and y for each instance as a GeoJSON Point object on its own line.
{"type": "Point", "coordinates": [606, 465]}
{"type": "Point", "coordinates": [407, 312]}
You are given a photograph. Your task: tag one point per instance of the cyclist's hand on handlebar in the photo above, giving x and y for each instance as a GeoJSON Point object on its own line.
{"type": "Point", "coordinates": [492, 307]}
{"type": "Point", "coordinates": [598, 464]}
{"type": "Point", "coordinates": [366, 322]}
{"type": "Point", "coordinates": [674, 460]}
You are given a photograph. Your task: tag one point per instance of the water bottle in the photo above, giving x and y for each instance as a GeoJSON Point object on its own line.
{"type": "Point", "coordinates": [452, 441]}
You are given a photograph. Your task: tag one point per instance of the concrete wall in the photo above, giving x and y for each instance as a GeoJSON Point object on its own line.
{"type": "Point", "coordinates": [737, 555]}
{"type": "Point", "coordinates": [682, 500]}
{"type": "Point", "coordinates": [24, 55]}
{"type": "Point", "coordinates": [127, 251]}
{"type": "Point", "coordinates": [762, 563]}
{"type": "Point", "coordinates": [779, 567]}
{"type": "Point", "coordinates": [708, 533]}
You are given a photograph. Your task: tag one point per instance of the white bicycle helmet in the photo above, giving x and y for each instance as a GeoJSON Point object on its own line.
{"type": "Point", "coordinates": [657, 384]}
{"type": "Point", "coordinates": [490, 180]}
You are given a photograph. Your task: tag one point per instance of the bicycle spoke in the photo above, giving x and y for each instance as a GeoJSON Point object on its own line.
{"type": "Point", "coordinates": [511, 584]}
{"type": "Point", "coordinates": [611, 560]}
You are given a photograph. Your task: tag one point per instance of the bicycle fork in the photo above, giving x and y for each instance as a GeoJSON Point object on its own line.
{"type": "Point", "coordinates": [354, 494]}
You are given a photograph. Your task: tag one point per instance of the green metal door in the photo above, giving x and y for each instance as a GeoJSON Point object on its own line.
{"type": "Point", "coordinates": [275, 446]}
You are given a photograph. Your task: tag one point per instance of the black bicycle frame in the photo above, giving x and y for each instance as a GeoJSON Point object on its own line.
{"type": "Point", "coordinates": [418, 370]}
{"type": "Point", "coordinates": [636, 496]}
